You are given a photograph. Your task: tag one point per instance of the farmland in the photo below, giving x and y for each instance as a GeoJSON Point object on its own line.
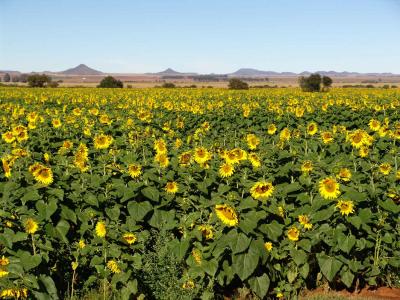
{"type": "Point", "coordinates": [189, 193]}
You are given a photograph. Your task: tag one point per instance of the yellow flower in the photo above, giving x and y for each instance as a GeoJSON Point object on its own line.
{"type": "Point", "coordinates": [162, 159]}
{"type": "Point", "coordinates": [130, 238]}
{"type": "Point", "coordinates": [201, 155]}
{"type": "Point", "coordinates": [363, 151]}
{"type": "Point", "coordinates": [327, 137]}
{"type": "Point", "coordinates": [344, 174]}
{"type": "Point", "coordinates": [74, 265]}
{"type": "Point", "coordinates": [375, 125]}
{"type": "Point", "coordinates": [385, 168]}
{"type": "Point", "coordinates": [293, 234]}
{"type": "Point", "coordinates": [271, 129]}
{"type": "Point", "coordinates": [329, 188]}
{"type": "Point", "coordinates": [268, 246]}
{"type": "Point", "coordinates": [81, 244]}
{"type": "Point", "coordinates": [307, 166]}
{"type": "Point", "coordinates": [305, 221]}
{"type": "Point", "coordinates": [358, 138]}
{"type": "Point", "coordinates": [254, 160]}
{"type": "Point", "coordinates": [206, 231]}
{"type": "Point", "coordinates": [31, 226]}
{"type": "Point", "coordinates": [262, 190]}
{"type": "Point", "coordinates": [4, 261]}
{"type": "Point", "coordinates": [134, 170]}
{"type": "Point", "coordinates": [102, 141]}
{"type": "Point", "coordinates": [285, 134]}
{"type": "Point", "coordinates": [113, 266]}
{"type": "Point", "coordinates": [346, 207]}
{"type": "Point", "coordinates": [281, 211]}
{"type": "Point", "coordinates": [226, 170]}
{"type": "Point", "coordinates": [44, 175]}
{"type": "Point", "coordinates": [160, 146]}
{"type": "Point", "coordinates": [56, 123]}
{"type": "Point", "coordinates": [101, 230]}
{"type": "Point", "coordinates": [197, 255]}
{"type": "Point", "coordinates": [185, 158]}
{"type": "Point", "coordinates": [312, 128]}
{"type": "Point", "coordinates": [3, 273]}
{"type": "Point", "coordinates": [226, 214]}
{"type": "Point", "coordinates": [188, 285]}
{"type": "Point", "coordinates": [6, 167]}
{"type": "Point", "coordinates": [171, 187]}
{"type": "Point", "coordinates": [8, 137]}
{"type": "Point", "coordinates": [252, 141]}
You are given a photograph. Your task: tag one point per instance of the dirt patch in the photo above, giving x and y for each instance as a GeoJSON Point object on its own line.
{"type": "Point", "coordinates": [382, 293]}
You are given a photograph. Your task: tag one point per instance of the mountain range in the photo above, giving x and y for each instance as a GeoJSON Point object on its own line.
{"type": "Point", "coordinates": [84, 70]}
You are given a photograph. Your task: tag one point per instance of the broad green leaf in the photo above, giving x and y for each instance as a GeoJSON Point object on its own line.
{"type": "Point", "coordinates": [259, 285]}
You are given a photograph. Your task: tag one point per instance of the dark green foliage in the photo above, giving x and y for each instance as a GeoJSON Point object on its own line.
{"type": "Point", "coordinates": [168, 85]}
{"type": "Point", "coordinates": [327, 81]}
{"type": "Point", "coordinates": [39, 80]}
{"type": "Point", "coordinates": [6, 77]}
{"type": "Point", "coordinates": [237, 84]}
{"type": "Point", "coordinates": [311, 83]}
{"type": "Point", "coordinates": [110, 82]}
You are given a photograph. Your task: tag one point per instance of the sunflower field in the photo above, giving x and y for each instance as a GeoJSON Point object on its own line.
{"type": "Point", "coordinates": [190, 193]}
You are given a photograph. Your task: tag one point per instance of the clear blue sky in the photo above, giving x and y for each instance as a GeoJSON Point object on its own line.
{"type": "Point", "coordinates": [201, 36]}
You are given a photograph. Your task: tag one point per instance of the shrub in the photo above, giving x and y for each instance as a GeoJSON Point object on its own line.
{"type": "Point", "coordinates": [168, 85]}
{"type": "Point", "coordinates": [39, 80]}
{"type": "Point", "coordinates": [311, 83]}
{"type": "Point", "coordinates": [110, 82]}
{"type": "Point", "coordinates": [237, 84]}
{"type": "Point", "coordinates": [6, 77]}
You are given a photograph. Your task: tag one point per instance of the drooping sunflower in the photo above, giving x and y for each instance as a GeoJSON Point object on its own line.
{"type": "Point", "coordinates": [293, 234]}
{"type": "Point", "coordinates": [345, 207]}
{"type": "Point", "coordinates": [231, 157]}
{"type": "Point", "coordinates": [102, 141]}
{"type": "Point", "coordinates": [344, 174]}
{"type": "Point", "coordinates": [101, 229]}
{"type": "Point", "coordinates": [262, 190]}
{"type": "Point", "coordinates": [6, 167]}
{"type": "Point", "coordinates": [226, 214]}
{"type": "Point", "coordinates": [201, 155]}
{"type": "Point", "coordinates": [113, 266]}
{"type": "Point", "coordinates": [252, 141]}
{"type": "Point", "coordinates": [185, 158]}
{"type": "Point", "coordinates": [307, 166]}
{"type": "Point", "coordinates": [385, 168]}
{"type": "Point", "coordinates": [312, 128]}
{"type": "Point", "coordinates": [329, 188]}
{"type": "Point", "coordinates": [31, 226]}
{"type": "Point", "coordinates": [171, 187]}
{"type": "Point", "coordinates": [129, 238]}
{"type": "Point", "coordinates": [135, 170]}
{"type": "Point", "coordinates": [162, 160]}
{"type": "Point", "coordinates": [160, 146]}
{"type": "Point", "coordinates": [206, 231]}
{"type": "Point", "coordinates": [226, 170]}
{"type": "Point", "coordinates": [305, 221]}
{"type": "Point", "coordinates": [4, 261]}
{"type": "Point", "coordinates": [254, 160]}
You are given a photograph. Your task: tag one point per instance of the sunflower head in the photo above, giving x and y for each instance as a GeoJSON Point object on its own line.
{"type": "Point", "coordinates": [293, 234]}
{"type": "Point", "coordinates": [226, 214]}
{"type": "Point", "coordinates": [171, 187]}
{"type": "Point", "coordinates": [262, 190]}
{"type": "Point", "coordinates": [129, 238]}
{"type": "Point", "coordinates": [345, 207]}
{"type": "Point", "coordinates": [101, 229]}
{"type": "Point", "coordinates": [329, 188]}
{"type": "Point", "coordinates": [31, 226]}
{"type": "Point", "coordinates": [226, 170]}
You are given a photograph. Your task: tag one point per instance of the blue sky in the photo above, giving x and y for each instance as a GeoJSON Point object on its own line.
{"type": "Point", "coordinates": [200, 36]}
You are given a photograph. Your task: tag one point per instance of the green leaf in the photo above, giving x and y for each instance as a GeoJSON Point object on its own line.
{"type": "Point", "coordinates": [29, 261]}
{"type": "Point", "coordinates": [68, 214]}
{"type": "Point", "coordinates": [244, 264]}
{"type": "Point", "coordinates": [162, 219]}
{"type": "Point", "coordinates": [210, 267]}
{"type": "Point", "coordinates": [299, 256]}
{"type": "Point", "coordinates": [150, 192]}
{"type": "Point", "coordinates": [138, 210]}
{"type": "Point", "coordinates": [62, 229]}
{"type": "Point", "coordinates": [91, 199]}
{"type": "Point", "coordinates": [346, 243]}
{"type": "Point", "coordinates": [179, 248]}
{"type": "Point", "coordinates": [50, 286]}
{"type": "Point", "coordinates": [260, 285]}
{"type": "Point", "coordinates": [329, 266]}
{"type": "Point", "coordinates": [30, 195]}
{"type": "Point", "coordinates": [304, 270]}
{"type": "Point", "coordinates": [390, 206]}
{"type": "Point", "coordinates": [347, 278]}
{"type": "Point", "coordinates": [323, 214]}
{"type": "Point", "coordinates": [239, 243]}
{"type": "Point", "coordinates": [113, 213]}
{"type": "Point", "coordinates": [273, 230]}
{"type": "Point", "coordinates": [46, 210]}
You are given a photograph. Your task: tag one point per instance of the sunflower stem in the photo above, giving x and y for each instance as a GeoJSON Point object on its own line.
{"type": "Point", "coordinates": [33, 245]}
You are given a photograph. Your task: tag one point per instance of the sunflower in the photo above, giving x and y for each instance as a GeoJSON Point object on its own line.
{"type": "Point", "coordinates": [285, 134]}
{"type": "Point", "coordinates": [271, 129]}
{"type": "Point", "coordinates": [8, 137]}
{"type": "Point", "coordinates": [226, 170]}
{"type": "Point", "coordinates": [252, 141]}
{"type": "Point", "coordinates": [3, 273]}
{"type": "Point", "coordinates": [201, 155]}
{"type": "Point", "coordinates": [363, 151]}
{"type": "Point", "coordinates": [344, 174]}
{"type": "Point", "coordinates": [346, 207]}
{"type": "Point", "coordinates": [130, 238]}
{"type": "Point", "coordinates": [398, 175]}
{"type": "Point", "coordinates": [31, 226]}
{"type": "Point", "coordinates": [113, 266]}
{"type": "Point", "coordinates": [385, 168]}
{"type": "Point", "coordinates": [102, 141]}
{"type": "Point", "coordinates": [197, 255]}
{"type": "Point", "coordinates": [375, 125]}
{"type": "Point", "coordinates": [358, 138]}
{"type": "Point", "coordinates": [305, 221]}
{"type": "Point", "coordinates": [326, 137]}
{"type": "Point", "coordinates": [185, 158]}
{"type": "Point", "coordinates": [226, 214]}
{"type": "Point", "coordinates": [101, 229]}
{"type": "Point", "coordinates": [44, 175]}
{"type": "Point", "coordinates": [171, 187]}
{"type": "Point", "coordinates": [268, 246]}
{"type": "Point", "coordinates": [262, 190]}
{"type": "Point", "coordinates": [254, 160]}
{"type": "Point", "coordinates": [56, 123]}
{"type": "Point", "coordinates": [231, 157]}
{"type": "Point", "coordinates": [312, 128]}
{"type": "Point", "coordinates": [307, 166]}
{"type": "Point", "coordinates": [81, 244]}
{"type": "Point", "coordinates": [160, 146]}
{"type": "Point", "coordinates": [240, 154]}
{"type": "Point", "coordinates": [162, 160]}
{"type": "Point", "coordinates": [188, 285]}
{"type": "Point", "coordinates": [329, 188]}
{"type": "Point", "coordinates": [4, 261]}
{"type": "Point", "coordinates": [293, 234]}
{"type": "Point", "coordinates": [6, 167]}
{"type": "Point", "coordinates": [134, 170]}
{"type": "Point", "coordinates": [206, 231]}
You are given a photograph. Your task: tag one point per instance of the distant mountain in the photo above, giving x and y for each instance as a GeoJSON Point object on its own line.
{"type": "Point", "coordinates": [248, 72]}
{"type": "Point", "coordinates": [81, 70]}
{"type": "Point", "coordinates": [172, 72]}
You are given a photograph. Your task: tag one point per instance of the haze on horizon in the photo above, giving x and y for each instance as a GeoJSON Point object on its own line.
{"type": "Point", "coordinates": [200, 36]}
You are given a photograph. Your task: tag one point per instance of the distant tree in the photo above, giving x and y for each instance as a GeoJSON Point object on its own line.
{"type": "Point", "coordinates": [39, 80]}
{"type": "Point", "coordinates": [327, 82]}
{"type": "Point", "coordinates": [168, 85]}
{"type": "Point", "coordinates": [311, 83]}
{"type": "Point", "coordinates": [110, 82]}
{"type": "Point", "coordinates": [6, 77]}
{"type": "Point", "coordinates": [237, 84]}
{"type": "Point", "coordinates": [23, 78]}
{"type": "Point", "coordinates": [15, 78]}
